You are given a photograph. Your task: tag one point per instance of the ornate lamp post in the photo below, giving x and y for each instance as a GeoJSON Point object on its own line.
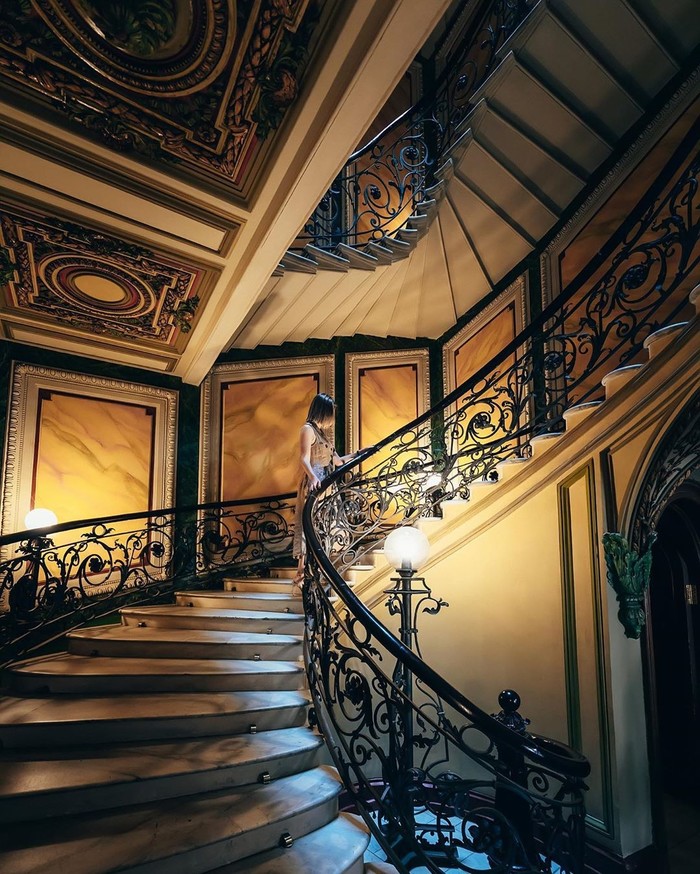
{"type": "Point", "coordinates": [407, 550]}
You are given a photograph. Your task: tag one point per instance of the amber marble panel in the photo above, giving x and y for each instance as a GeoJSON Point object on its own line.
{"type": "Point", "coordinates": [596, 232]}
{"type": "Point", "coordinates": [387, 398]}
{"type": "Point", "coordinates": [480, 348]}
{"type": "Point", "coordinates": [93, 457]}
{"type": "Point", "coordinates": [260, 420]}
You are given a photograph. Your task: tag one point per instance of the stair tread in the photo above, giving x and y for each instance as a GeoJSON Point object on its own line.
{"type": "Point", "coordinates": [328, 850]}
{"type": "Point", "coordinates": [149, 836]}
{"type": "Point", "coordinates": [178, 635]}
{"type": "Point", "coordinates": [39, 771]}
{"type": "Point", "coordinates": [164, 705]}
{"type": "Point", "coordinates": [209, 613]}
{"type": "Point", "coordinates": [65, 663]}
{"type": "Point", "coordinates": [233, 596]}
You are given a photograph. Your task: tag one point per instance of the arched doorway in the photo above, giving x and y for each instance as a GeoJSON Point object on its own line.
{"type": "Point", "coordinates": [674, 625]}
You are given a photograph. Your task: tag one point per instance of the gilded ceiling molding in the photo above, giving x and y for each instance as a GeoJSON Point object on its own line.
{"type": "Point", "coordinates": [671, 112]}
{"type": "Point", "coordinates": [196, 83]}
{"type": "Point", "coordinates": [63, 274]}
{"type": "Point", "coordinates": [210, 406]}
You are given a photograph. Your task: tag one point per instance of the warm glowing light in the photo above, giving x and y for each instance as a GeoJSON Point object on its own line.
{"type": "Point", "coordinates": [40, 518]}
{"type": "Point", "coordinates": [406, 548]}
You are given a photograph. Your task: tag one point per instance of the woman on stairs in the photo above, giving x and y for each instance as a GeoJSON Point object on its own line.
{"type": "Point", "coordinates": [318, 458]}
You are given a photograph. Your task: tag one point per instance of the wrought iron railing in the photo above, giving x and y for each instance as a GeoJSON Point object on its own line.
{"type": "Point", "coordinates": [56, 578]}
{"type": "Point", "coordinates": [385, 180]}
{"type": "Point", "coordinates": [436, 777]}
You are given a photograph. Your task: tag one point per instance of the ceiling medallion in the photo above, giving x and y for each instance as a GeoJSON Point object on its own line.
{"type": "Point", "coordinates": [99, 287]}
{"type": "Point", "coordinates": [197, 85]}
{"type": "Point", "coordinates": [93, 282]}
{"type": "Point", "coordinates": [166, 47]}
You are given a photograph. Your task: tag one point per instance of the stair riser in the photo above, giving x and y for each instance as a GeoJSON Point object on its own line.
{"type": "Point", "coordinates": [154, 728]}
{"type": "Point", "coordinates": [198, 860]}
{"type": "Point", "coordinates": [71, 802]}
{"type": "Point", "coordinates": [282, 587]}
{"type": "Point", "coordinates": [250, 626]}
{"type": "Point", "coordinates": [23, 684]}
{"type": "Point", "coordinates": [617, 380]}
{"type": "Point", "coordinates": [240, 602]}
{"type": "Point", "coordinates": [266, 837]}
{"type": "Point", "coordinates": [288, 652]}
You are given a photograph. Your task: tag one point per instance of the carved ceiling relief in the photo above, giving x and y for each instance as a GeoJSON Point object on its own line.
{"type": "Point", "coordinates": [199, 83]}
{"type": "Point", "coordinates": [94, 283]}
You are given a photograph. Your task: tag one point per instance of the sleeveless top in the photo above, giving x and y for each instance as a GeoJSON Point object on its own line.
{"type": "Point", "coordinates": [321, 456]}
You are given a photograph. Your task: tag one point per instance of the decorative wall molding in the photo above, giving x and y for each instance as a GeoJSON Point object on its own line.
{"type": "Point", "coordinates": [20, 444]}
{"type": "Point", "coordinates": [516, 293]}
{"type": "Point", "coordinates": [356, 361]}
{"type": "Point", "coordinates": [671, 112]}
{"type": "Point", "coordinates": [210, 417]}
{"type": "Point", "coordinates": [234, 65]}
{"type": "Point", "coordinates": [67, 275]}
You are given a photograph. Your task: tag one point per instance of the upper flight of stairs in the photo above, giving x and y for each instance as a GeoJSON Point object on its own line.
{"type": "Point", "coordinates": [570, 81]}
{"type": "Point", "coordinates": [659, 345]}
{"type": "Point", "coordinates": [175, 742]}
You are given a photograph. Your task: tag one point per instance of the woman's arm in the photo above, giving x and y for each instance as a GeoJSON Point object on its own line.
{"type": "Point", "coordinates": [306, 441]}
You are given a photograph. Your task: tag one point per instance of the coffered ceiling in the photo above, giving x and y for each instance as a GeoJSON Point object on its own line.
{"type": "Point", "coordinates": [158, 156]}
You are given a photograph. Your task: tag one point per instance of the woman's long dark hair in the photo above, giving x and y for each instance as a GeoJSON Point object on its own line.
{"type": "Point", "coordinates": [322, 412]}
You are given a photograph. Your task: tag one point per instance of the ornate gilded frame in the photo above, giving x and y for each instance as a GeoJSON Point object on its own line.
{"type": "Point", "coordinates": [515, 293]}
{"type": "Point", "coordinates": [27, 381]}
{"type": "Point", "coordinates": [354, 361]}
{"type": "Point", "coordinates": [210, 414]}
{"type": "Point", "coordinates": [671, 112]}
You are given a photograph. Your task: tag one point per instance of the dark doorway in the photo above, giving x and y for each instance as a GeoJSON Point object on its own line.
{"type": "Point", "coordinates": [674, 602]}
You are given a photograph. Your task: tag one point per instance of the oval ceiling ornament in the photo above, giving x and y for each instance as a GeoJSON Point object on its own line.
{"type": "Point", "coordinates": [166, 48]}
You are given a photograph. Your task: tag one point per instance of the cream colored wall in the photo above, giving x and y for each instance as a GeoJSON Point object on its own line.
{"type": "Point", "coordinates": [524, 555]}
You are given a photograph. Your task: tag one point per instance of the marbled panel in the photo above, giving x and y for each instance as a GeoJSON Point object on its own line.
{"type": "Point", "coordinates": [387, 399]}
{"type": "Point", "coordinates": [478, 349]}
{"type": "Point", "coordinates": [261, 419]}
{"type": "Point", "coordinates": [93, 457]}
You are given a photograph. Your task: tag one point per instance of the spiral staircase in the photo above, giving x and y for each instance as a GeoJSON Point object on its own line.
{"type": "Point", "coordinates": [561, 93]}
{"type": "Point", "coordinates": [177, 740]}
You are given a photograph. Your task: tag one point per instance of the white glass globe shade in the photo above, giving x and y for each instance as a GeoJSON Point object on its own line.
{"type": "Point", "coordinates": [40, 518]}
{"type": "Point", "coordinates": [406, 548]}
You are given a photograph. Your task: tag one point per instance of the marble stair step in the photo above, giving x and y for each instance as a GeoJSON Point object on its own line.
{"type": "Point", "coordinates": [68, 720]}
{"type": "Point", "coordinates": [579, 413]}
{"type": "Point", "coordinates": [280, 602]}
{"type": "Point", "coordinates": [544, 442]}
{"type": "Point", "coordinates": [40, 784]}
{"type": "Point", "coordinates": [258, 621]}
{"type": "Point", "coordinates": [130, 641]}
{"type": "Point", "coordinates": [510, 467]}
{"type": "Point", "coordinates": [658, 341]}
{"type": "Point", "coordinates": [176, 836]}
{"type": "Point", "coordinates": [615, 380]}
{"type": "Point", "coordinates": [64, 673]}
{"type": "Point", "coordinates": [336, 848]}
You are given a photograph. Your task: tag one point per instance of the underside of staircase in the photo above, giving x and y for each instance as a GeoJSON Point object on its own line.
{"type": "Point", "coordinates": [173, 742]}
{"type": "Point", "coordinates": [567, 86]}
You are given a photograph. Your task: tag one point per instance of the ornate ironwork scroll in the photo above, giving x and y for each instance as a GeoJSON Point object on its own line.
{"type": "Point", "coordinates": [57, 578]}
{"type": "Point", "coordinates": [382, 183]}
{"type": "Point", "coordinates": [478, 785]}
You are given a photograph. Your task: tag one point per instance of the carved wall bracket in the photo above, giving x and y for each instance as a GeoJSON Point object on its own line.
{"type": "Point", "coordinates": [628, 575]}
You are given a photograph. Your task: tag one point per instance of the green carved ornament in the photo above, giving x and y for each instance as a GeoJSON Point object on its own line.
{"type": "Point", "coordinates": [628, 574]}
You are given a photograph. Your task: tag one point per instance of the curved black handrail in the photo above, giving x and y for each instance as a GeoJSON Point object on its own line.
{"type": "Point", "coordinates": [54, 578]}
{"type": "Point", "coordinates": [600, 321]}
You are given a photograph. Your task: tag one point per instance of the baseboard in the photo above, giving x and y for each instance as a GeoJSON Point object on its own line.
{"type": "Point", "coordinates": [646, 861]}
